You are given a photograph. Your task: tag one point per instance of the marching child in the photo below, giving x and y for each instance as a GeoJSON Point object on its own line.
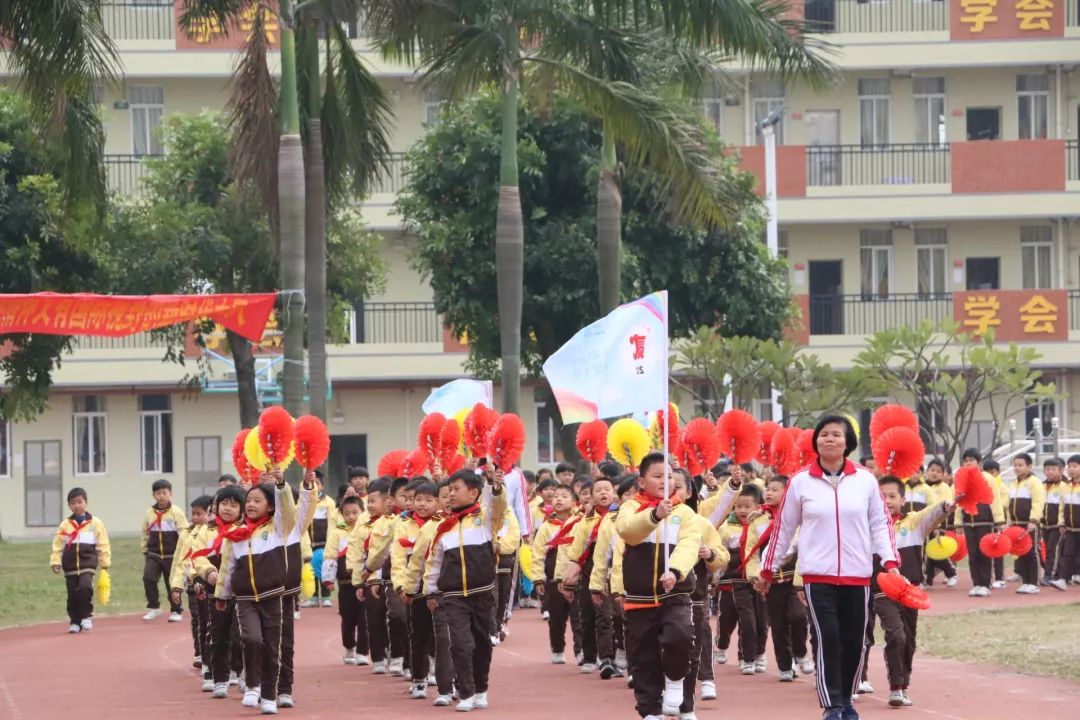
{"type": "Point", "coordinates": [1069, 554]}
{"type": "Point", "coordinates": [1056, 490]}
{"type": "Point", "coordinates": [900, 622]}
{"type": "Point", "coordinates": [298, 554]}
{"type": "Point", "coordinates": [739, 604]}
{"type": "Point", "coordinates": [507, 544]}
{"type": "Point", "coordinates": [605, 582]}
{"type": "Point", "coordinates": [324, 518]}
{"type": "Point", "coordinates": [1026, 499]}
{"type": "Point", "coordinates": [79, 548]}
{"type": "Point", "coordinates": [662, 541]}
{"type": "Point", "coordinates": [992, 472]}
{"type": "Point", "coordinates": [549, 534]}
{"type": "Point", "coordinates": [987, 518]}
{"type": "Point", "coordinates": [160, 534]}
{"type": "Point", "coordinates": [370, 533]}
{"type": "Point", "coordinates": [181, 580]}
{"type": "Point", "coordinates": [541, 508]}
{"type": "Point", "coordinates": [402, 492]}
{"type": "Point", "coordinates": [424, 503]}
{"type": "Point", "coordinates": [939, 491]}
{"type": "Point", "coordinates": [336, 568]}
{"type": "Point", "coordinates": [460, 575]}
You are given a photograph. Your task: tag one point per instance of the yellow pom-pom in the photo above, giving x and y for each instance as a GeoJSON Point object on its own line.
{"type": "Point", "coordinates": [628, 441]}
{"type": "Point", "coordinates": [253, 451]}
{"type": "Point", "coordinates": [104, 587]}
{"type": "Point", "coordinates": [941, 548]}
{"type": "Point", "coordinates": [307, 580]}
{"type": "Point", "coordinates": [525, 558]}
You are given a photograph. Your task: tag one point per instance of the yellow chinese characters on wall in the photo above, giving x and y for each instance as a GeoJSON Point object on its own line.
{"type": "Point", "coordinates": [209, 33]}
{"type": "Point", "coordinates": [1035, 14]}
{"type": "Point", "coordinates": [1006, 19]}
{"type": "Point", "coordinates": [1014, 315]}
{"type": "Point", "coordinates": [978, 14]}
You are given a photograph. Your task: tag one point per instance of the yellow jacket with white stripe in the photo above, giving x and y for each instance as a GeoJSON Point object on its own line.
{"type": "Point", "coordinates": [412, 582]}
{"type": "Point", "coordinates": [402, 549]}
{"type": "Point", "coordinates": [183, 567]}
{"type": "Point", "coordinates": [1026, 500]}
{"type": "Point", "coordinates": [81, 547]}
{"type": "Point", "coordinates": [603, 555]}
{"type": "Point", "coordinates": [161, 531]}
{"type": "Point", "coordinates": [648, 540]}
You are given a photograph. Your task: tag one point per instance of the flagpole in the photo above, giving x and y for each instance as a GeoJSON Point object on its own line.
{"type": "Point", "coordinates": [664, 426]}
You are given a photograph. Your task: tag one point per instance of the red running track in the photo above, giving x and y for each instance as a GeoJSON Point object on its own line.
{"type": "Point", "coordinates": [126, 668]}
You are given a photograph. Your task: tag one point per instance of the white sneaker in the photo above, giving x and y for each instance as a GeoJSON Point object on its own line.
{"type": "Point", "coordinates": [234, 679]}
{"type": "Point", "coordinates": [310, 603]}
{"type": "Point", "coordinates": [720, 657]}
{"type": "Point", "coordinates": [896, 698]}
{"type": "Point", "coordinates": [350, 657]}
{"type": "Point", "coordinates": [268, 707]}
{"type": "Point", "coordinates": [1075, 579]}
{"type": "Point", "coordinates": [251, 698]}
{"type": "Point", "coordinates": [588, 668]}
{"type": "Point", "coordinates": [87, 624]}
{"type": "Point", "coordinates": [865, 688]}
{"type": "Point", "coordinates": [761, 665]}
{"type": "Point", "coordinates": [418, 691]}
{"type": "Point", "coordinates": [397, 667]}
{"type": "Point", "coordinates": [175, 617]}
{"type": "Point", "coordinates": [480, 700]}
{"type": "Point", "coordinates": [620, 659]}
{"type": "Point", "coordinates": [998, 584]}
{"type": "Point", "coordinates": [442, 701]}
{"type": "Point", "coordinates": [974, 592]}
{"type": "Point", "coordinates": [854, 697]}
{"type": "Point", "coordinates": [379, 668]}
{"type": "Point", "coordinates": [73, 628]}
{"type": "Point", "coordinates": [221, 690]}
{"type": "Point", "coordinates": [1015, 577]}
{"type": "Point", "coordinates": [286, 701]}
{"type": "Point", "coordinates": [951, 582]}
{"type": "Point", "coordinates": [544, 615]}
{"type": "Point", "coordinates": [494, 640]}
{"type": "Point", "coordinates": [1058, 584]}
{"type": "Point", "coordinates": [907, 699]}
{"type": "Point", "coordinates": [208, 685]}
{"type": "Point", "coordinates": [1028, 589]}
{"type": "Point", "coordinates": [806, 665]}
{"type": "Point", "coordinates": [673, 696]}
{"type": "Point", "coordinates": [151, 614]}
{"type": "Point", "coordinates": [687, 716]}
{"type": "Point", "coordinates": [466, 705]}
{"type": "Point", "coordinates": [558, 659]}
{"type": "Point", "coordinates": [708, 690]}
{"type": "Point", "coordinates": [363, 660]}
{"type": "Point", "coordinates": [580, 658]}
{"type": "Point", "coordinates": [431, 680]}
{"type": "Point", "coordinates": [746, 668]}
{"type": "Point", "coordinates": [652, 717]}
{"type": "Point", "coordinates": [787, 676]}
{"type": "Point", "coordinates": [296, 615]}
{"type": "Point", "coordinates": [327, 602]}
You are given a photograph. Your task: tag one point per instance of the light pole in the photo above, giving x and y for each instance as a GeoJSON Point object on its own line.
{"type": "Point", "coordinates": [772, 235]}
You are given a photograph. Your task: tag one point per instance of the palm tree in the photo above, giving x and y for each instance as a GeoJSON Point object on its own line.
{"type": "Point", "coordinates": [59, 51]}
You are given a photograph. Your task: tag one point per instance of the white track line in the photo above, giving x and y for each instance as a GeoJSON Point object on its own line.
{"type": "Point", "coordinates": [9, 700]}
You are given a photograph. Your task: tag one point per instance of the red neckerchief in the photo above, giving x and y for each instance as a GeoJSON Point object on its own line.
{"type": "Point", "coordinates": [563, 536]}
{"type": "Point", "coordinates": [765, 536]}
{"type": "Point", "coordinates": [158, 517]}
{"type": "Point", "coordinates": [451, 522]}
{"type": "Point", "coordinates": [602, 512]}
{"type": "Point", "coordinates": [75, 530]}
{"type": "Point", "coordinates": [370, 523]}
{"type": "Point", "coordinates": [240, 533]}
{"type": "Point", "coordinates": [420, 522]}
{"type": "Point", "coordinates": [648, 502]}
{"type": "Point", "coordinates": [215, 547]}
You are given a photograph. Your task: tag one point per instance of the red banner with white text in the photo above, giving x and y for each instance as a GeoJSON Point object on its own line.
{"type": "Point", "coordinates": [119, 315]}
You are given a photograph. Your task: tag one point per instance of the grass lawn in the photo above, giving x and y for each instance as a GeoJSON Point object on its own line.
{"type": "Point", "coordinates": [1035, 640]}
{"type": "Point", "coordinates": [31, 593]}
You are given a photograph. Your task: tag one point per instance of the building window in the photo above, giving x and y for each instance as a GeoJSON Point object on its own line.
{"type": "Point", "coordinates": [874, 106]}
{"type": "Point", "coordinates": [147, 110]}
{"type": "Point", "coordinates": [89, 427]}
{"type": "Point", "coordinates": [931, 255]}
{"type": "Point", "coordinates": [155, 434]}
{"type": "Point", "coordinates": [5, 448]}
{"type": "Point", "coordinates": [762, 404]}
{"type": "Point", "coordinates": [875, 257]}
{"type": "Point", "coordinates": [782, 247]}
{"type": "Point", "coordinates": [768, 97]}
{"type": "Point", "coordinates": [548, 443]}
{"type": "Point", "coordinates": [433, 102]}
{"type": "Point", "coordinates": [1037, 256]}
{"type": "Point", "coordinates": [1033, 105]}
{"type": "Point", "coordinates": [930, 111]}
{"type": "Point", "coordinates": [712, 106]}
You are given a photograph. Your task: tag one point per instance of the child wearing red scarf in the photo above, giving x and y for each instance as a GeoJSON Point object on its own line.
{"type": "Point", "coordinates": [422, 634]}
{"type": "Point", "coordinates": [739, 604]}
{"type": "Point", "coordinates": [660, 627]}
{"type": "Point", "coordinates": [162, 524]}
{"type": "Point", "coordinates": [550, 536]}
{"type": "Point", "coordinates": [79, 548]}
{"type": "Point", "coordinates": [373, 532]}
{"type": "Point", "coordinates": [336, 568]}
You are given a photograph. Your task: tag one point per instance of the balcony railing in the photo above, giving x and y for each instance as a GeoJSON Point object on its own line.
{"type": "Point", "coordinates": [395, 322]}
{"type": "Point", "coordinates": [125, 173]}
{"type": "Point", "coordinates": [391, 180]}
{"type": "Point", "coordinates": [1072, 158]}
{"type": "Point", "coordinates": [139, 19]}
{"type": "Point", "coordinates": [897, 164]}
{"type": "Point", "coordinates": [890, 16]}
{"type": "Point", "coordinates": [866, 315]}
{"type": "Point", "coordinates": [138, 341]}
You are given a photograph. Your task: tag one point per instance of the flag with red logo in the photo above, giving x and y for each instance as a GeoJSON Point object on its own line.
{"type": "Point", "coordinates": [616, 366]}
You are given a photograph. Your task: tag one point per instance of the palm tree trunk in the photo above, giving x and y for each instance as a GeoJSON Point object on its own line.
{"type": "Point", "coordinates": [608, 226]}
{"type": "Point", "coordinates": [510, 245]}
{"type": "Point", "coordinates": [244, 363]}
{"type": "Point", "coordinates": [291, 203]}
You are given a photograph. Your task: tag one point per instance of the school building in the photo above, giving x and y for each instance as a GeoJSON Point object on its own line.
{"type": "Point", "coordinates": [940, 177]}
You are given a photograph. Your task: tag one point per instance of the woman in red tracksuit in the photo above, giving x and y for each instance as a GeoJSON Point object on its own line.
{"type": "Point", "coordinates": [844, 524]}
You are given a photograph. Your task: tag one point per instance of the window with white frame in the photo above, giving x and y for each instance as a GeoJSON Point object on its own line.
{"type": "Point", "coordinates": [768, 97]}
{"type": "Point", "coordinates": [1037, 256]}
{"type": "Point", "coordinates": [89, 428]}
{"type": "Point", "coordinates": [548, 443]}
{"type": "Point", "coordinates": [433, 102]}
{"type": "Point", "coordinates": [762, 404]}
{"type": "Point", "coordinates": [782, 244]}
{"type": "Point", "coordinates": [5, 448]}
{"type": "Point", "coordinates": [875, 259]}
{"type": "Point", "coordinates": [155, 434]}
{"type": "Point", "coordinates": [931, 260]}
{"type": "Point", "coordinates": [147, 103]}
{"type": "Point", "coordinates": [712, 106]}
{"type": "Point", "coordinates": [875, 102]}
{"type": "Point", "coordinates": [929, 96]}
{"type": "Point", "coordinates": [1033, 105]}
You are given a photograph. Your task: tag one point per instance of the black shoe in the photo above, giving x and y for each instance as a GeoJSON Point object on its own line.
{"type": "Point", "coordinates": [849, 712]}
{"type": "Point", "coordinates": [607, 670]}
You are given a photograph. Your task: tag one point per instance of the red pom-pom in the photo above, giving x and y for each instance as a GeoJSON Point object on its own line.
{"type": "Point", "coordinates": [739, 436]}
{"type": "Point", "coordinates": [807, 453]}
{"type": "Point", "coordinates": [312, 441]}
{"type": "Point", "coordinates": [454, 464]}
{"type": "Point", "coordinates": [961, 545]}
{"type": "Point", "coordinates": [995, 545]}
{"type": "Point", "coordinates": [899, 590]}
{"type": "Point", "coordinates": [767, 430]}
{"type": "Point", "coordinates": [592, 440]}
{"type": "Point", "coordinates": [1014, 532]}
{"type": "Point", "coordinates": [1022, 546]}
{"type": "Point", "coordinates": [416, 464]}
{"type": "Point", "coordinates": [428, 437]}
{"type": "Point", "coordinates": [899, 451]}
{"type": "Point", "coordinates": [786, 458]}
{"type": "Point", "coordinates": [890, 416]}
{"type": "Point", "coordinates": [507, 441]}
{"type": "Point", "coordinates": [699, 448]}
{"type": "Point", "coordinates": [244, 469]}
{"type": "Point", "coordinates": [670, 422]}
{"type": "Point", "coordinates": [1042, 551]}
{"type": "Point", "coordinates": [971, 488]}
{"type": "Point", "coordinates": [390, 463]}
{"type": "Point", "coordinates": [276, 433]}
{"type": "Point", "coordinates": [478, 425]}
{"type": "Point", "coordinates": [449, 443]}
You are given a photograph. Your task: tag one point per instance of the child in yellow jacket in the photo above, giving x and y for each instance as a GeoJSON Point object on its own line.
{"type": "Point", "coordinates": [180, 582]}
{"type": "Point", "coordinates": [988, 518]}
{"type": "Point", "coordinates": [162, 524]}
{"type": "Point", "coordinates": [550, 536]}
{"type": "Point", "coordinates": [369, 547]}
{"type": "Point", "coordinates": [421, 647]}
{"type": "Point", "coordinates": [79, 548]}
{"type": "Point", "coordinates": [335, 568]}
{"type": "Point", "coordinates": [1027, 497]}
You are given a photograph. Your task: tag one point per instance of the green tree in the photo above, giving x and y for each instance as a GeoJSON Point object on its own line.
{"type": "Point", "coordinates": [449, 205]}
{"type": "Point", "coordinates": [950, 375]}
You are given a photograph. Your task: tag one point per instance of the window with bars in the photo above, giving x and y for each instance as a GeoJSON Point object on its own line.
{"type": "Point", "coordinates": [929, 96]}
{"type": "Point", "coordinates": [155, 434]}
{"type": "Point", "coordinates": [433, 103]}
{"type": "Point", "coordinates": [89, 429]}
{"type": "Point", "coordinates": [1033, 105]}
{"type": "Point", "coordinates": [874, 107]}
{"type": "Point", "coordinates": [147, 104]}
{"type": "Point", "coordinates": [768, 97]}
{"type": "Point", "coordinates": [1037, 256]}
{"type": "Point", "coordinates": [875, 259]}
{"type": "Point", "coordinates": [931, 260]}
